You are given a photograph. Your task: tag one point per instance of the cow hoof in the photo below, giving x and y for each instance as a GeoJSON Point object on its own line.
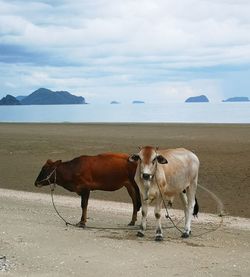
{"type": "Point", "coordinates": [81, 225]}
{"type": "Point", "coordinates": [185, 235]}
{"type": "Point", "coordinates": [140, 234]}
{"type": "Point", "coordinates": [159, 238]}
{"type": "Point", "coordinates": [131, 223]}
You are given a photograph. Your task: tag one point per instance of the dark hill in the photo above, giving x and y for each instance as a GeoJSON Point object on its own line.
{"type": "Point", "coordinates": [20, 97]}
{"type": "Point", "coordinates": [9, 100]}
{"type": "Point", "coordinates": [197, 99]}
{"type": "Point", "coordinates": [44, 96]}
{"type": "Point", "coordinates": [237, 99]}
{"type": "Point", "coordinates": [138, 102]}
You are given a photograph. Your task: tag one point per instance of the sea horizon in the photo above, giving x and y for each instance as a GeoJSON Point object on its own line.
{"type": "Point", "coordinates": [212, 112]}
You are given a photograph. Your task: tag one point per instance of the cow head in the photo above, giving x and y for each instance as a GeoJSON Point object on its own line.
{"type": "Point", "coordinates": [148, 159]}
{"type": "Point", "coordinates": [46, 175]}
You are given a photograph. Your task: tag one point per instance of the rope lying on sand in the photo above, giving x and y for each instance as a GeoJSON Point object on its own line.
{"type": "Point", "coordinates": [220, 210]}
{"type": "Point", "coordinates": [220, 206]}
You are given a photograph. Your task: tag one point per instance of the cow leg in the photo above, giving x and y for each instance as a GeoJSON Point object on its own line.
{"type": "Point", "coordinates": [158, 233]}
{"type": "Point", "coordinates": [132, 194]}
{"type": "Point", "coordinates": [144, 213]}
{"type": "Point", "coordinates": [84, 204]}
{"type": "Point", "coordinates": [184, 200]}
{"type": "Point", "coordinates": [190, 191]}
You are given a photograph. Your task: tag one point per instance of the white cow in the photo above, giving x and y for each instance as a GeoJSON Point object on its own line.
{"type": "Point", "coordinates": [175, 171]}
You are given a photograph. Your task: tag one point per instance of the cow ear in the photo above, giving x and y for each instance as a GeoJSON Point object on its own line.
{"type": "Point", "coordinates": [57, 162]}
{"type": "Point", "coordinates": [49, 162]}
{"type": "Point", "coordinates": [161, 159]}
{"type": "Point", "coordinates": [134, 158]}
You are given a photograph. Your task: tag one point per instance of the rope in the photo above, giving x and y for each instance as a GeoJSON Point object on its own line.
{"type": "Point", "coordinates": [75, 225]}
{"type": "Point", "coordinates": [221, 214]}
{"type": "Point", "coordinates": [52, 189]}
{"type": "Point", "coordinates": [217, 200]}
{"type": "Point", "coordinates": [93, 227]}
{"type": "Point", "coordinates": [220, 208]}
{"type": "Point", "coordinates": [165, 205]}
{"type": "Point", "coordinates": [136, 227]}
{"type": "Point", "coordinates": [52, 198]}
{"type": "Point", "coordinates": [210, 231]}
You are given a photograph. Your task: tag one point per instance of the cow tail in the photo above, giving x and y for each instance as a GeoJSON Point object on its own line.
{"type": "Point", "coordinates": [196, 208]}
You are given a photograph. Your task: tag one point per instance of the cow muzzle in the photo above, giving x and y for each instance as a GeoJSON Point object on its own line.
{"type": "Point", "coordinates": [38, 184]}
{"type": "Point", "coordinates": [147, 177]}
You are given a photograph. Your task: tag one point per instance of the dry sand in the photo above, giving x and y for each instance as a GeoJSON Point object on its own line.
{"type": "Point", "coordinates": [37, 243]}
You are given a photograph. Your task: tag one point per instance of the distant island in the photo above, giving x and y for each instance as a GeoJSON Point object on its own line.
{"type": "Point", "coordinates": [197, 99]}
{"type": "Point", "coordinates": [138, 102]}
{"type": "Point", "coordinates": [43, 96]}
{"type": "Point", "coordinates": [20, 97]}
{"type": "Point", "coordinates": [237, 99]}
{"type": "Point", "coordinates": [9, 100]}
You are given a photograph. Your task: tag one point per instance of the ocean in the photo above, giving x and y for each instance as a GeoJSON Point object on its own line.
{"type": "Point", "coordinates": [131, 113]}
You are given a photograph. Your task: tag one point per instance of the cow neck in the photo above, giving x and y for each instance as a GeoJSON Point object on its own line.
{"type": "Point", "coordinates": [52, 183]}
{"type": "Point", "coordinates": [61, 180]}
{"type": "Point", "coordinates": [155, 174]}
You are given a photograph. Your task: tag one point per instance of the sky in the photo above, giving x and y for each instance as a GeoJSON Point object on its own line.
{"type": "Point", "coordinates": [105, 50]}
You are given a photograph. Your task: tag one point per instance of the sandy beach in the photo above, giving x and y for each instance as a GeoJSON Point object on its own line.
{"type": "Point", "coordinates": [35, 242]}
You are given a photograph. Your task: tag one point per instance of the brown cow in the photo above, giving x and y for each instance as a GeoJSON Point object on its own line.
{"type": "Point", "coordinates": [108, 172]}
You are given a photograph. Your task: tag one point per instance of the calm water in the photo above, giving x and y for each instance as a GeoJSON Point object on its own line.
{"type": "Point", "coordinates": [171, 112]}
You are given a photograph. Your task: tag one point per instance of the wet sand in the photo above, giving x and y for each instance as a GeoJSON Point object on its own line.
{"type": "Point", "coordinates": [223, 150]}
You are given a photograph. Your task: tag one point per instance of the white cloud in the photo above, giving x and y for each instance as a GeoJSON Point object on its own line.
{"type": "Point", "coordinates": [167, 45]}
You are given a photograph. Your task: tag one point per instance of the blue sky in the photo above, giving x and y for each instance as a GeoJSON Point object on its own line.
{"type": "Point", "coordinates": [154, 50]}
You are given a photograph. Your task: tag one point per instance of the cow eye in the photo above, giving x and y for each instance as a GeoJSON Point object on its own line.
{"type": "Point", "coordinates": [154, 160]}
{"type": "Point", "coordinates": [135, 157]}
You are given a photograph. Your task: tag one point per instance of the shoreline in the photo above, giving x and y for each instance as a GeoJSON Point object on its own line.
{"type": "Point", "coordinates": [126, 123]}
